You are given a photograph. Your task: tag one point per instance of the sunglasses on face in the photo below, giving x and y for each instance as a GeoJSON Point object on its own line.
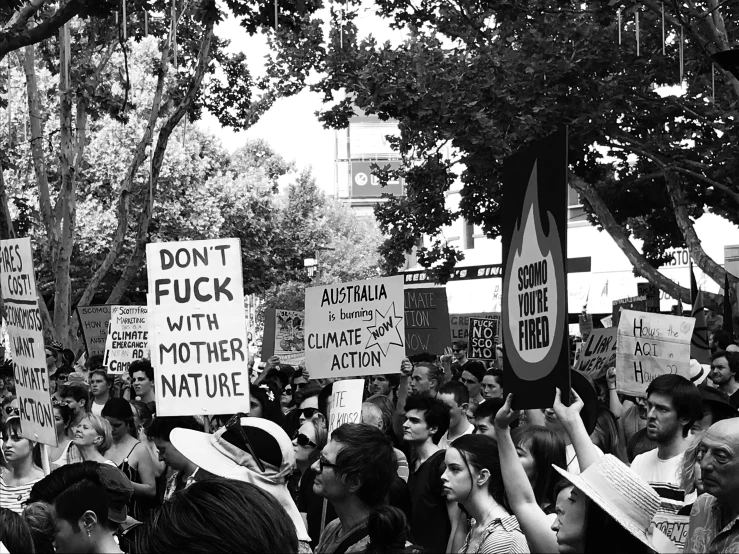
{"type": "Point", "coordinates": [303, 440]}
{"type": "Point", "coordinates": [307, 413]}
{"type": "Point", "coordinates": [10, 410]}
{"type": "Point", "coordinates": [456, 351]}
{"type": "Point", "coordinates": [287, 391]}
{"type": "Point", "coordinates": [323, 463]}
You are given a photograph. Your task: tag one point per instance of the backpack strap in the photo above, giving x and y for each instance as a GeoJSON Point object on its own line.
{"type": "Point", "coordinates": [353, 538]}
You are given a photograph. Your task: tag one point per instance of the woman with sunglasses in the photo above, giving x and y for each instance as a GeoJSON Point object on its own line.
{"type": "Point", "coordinates": [310, 440]}
{"type": "Point", "coordinates": [20, 472]}
{"type": "Point", "coordinates": [9, 409]}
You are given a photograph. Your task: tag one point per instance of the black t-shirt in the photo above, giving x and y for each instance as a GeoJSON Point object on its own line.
{"type": "Point", "coordinates": [430, 524]}
{"type": "Point", "coordinates": [734, 399]}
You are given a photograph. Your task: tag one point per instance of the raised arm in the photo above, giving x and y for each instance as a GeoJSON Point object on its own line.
{"type": "Point", "coordinates": [533, 521]}
{"type": "Point", "coordinates": [569, 416]}
{"type": "Point", "coordinates": [615, 405]}
{"type": "Point", "coordinates": [406, 369]}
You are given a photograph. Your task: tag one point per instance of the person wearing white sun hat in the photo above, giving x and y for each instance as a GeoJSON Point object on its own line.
{"type": "Point", "coordinates": [249, 449]}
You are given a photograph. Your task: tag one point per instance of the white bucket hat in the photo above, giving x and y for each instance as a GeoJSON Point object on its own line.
{"type": "Point", "coordinates": [698, 372]}
{"type": "Point", "coordinates": [624, 496]}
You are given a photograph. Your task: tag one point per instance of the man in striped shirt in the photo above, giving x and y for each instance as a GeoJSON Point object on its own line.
{"type": "Point", "coordinates": [673, 405]}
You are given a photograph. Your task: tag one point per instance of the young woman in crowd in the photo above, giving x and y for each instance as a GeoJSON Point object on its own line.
{"type": "Point", "coordinates": [221, 515]}
{"type": "Point", "coordinates": [539, 449]}
{"type": "Point", "coordinates": [183, 470]}
{"type": "Point", "coordinates": [58, 454]}
{"type": "Point", "coordinates": [473, 478]}
{"type": "Point", "coordinates": [20, 472]}
{"type": "Point", "coordinates": [15, 533]}
{"type": "Point", "coordinates": [286, 399]}
{"type": "Point", "coordinates": [92, 438]}
{"type": "Point", "coordinates": [131, 457]}
{"type": "Point", "coordinates": [264, 402]}
{"type": "Point", "coordinates": [492, 384]}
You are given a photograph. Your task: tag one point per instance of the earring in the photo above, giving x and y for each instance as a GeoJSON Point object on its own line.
{"type": "Point", "coordinates": [88, 534]}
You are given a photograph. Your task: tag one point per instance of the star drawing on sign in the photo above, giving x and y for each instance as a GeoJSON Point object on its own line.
{"type": "Point", "coordinates": [385, 332]}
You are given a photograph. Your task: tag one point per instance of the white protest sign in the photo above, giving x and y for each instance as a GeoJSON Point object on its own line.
{"type": "Point", "coordinates": [598, 352]}
{"type": "Point", "coordinates": [355, 329]}
{"type": "Point", "coordinates": [128, 338]}
{"type": "Point", "coordinates": [346, 403]}
{"type": "Point", "coordinates": [26, 332]}
{"type": "Point", "coordinates": [198, 344]}
{"type": "Point", "coordinates": [650, 345]}
{"type": "Point", "coordinates": [94, 322]}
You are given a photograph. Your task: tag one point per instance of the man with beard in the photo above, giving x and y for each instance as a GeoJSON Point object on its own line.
{"type": "Point", "coordinates": [673, 405]}
{"type": "Point", "coordinates": [724, 369]}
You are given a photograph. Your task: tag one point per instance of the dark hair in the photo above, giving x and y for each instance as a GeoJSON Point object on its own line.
{"type": "Point", "coordinates": [476, 369]}
{"type": "Point", "coordinates": [685, 396]}
{"type": "Point", "coordinates": [497, 374]}
{"type": "Point", "coordinates": [118, 408]}
{"type": "Point", "coordinates": [367, 456]}
{"type": "Point", "coordinates": [436, 373]}
{"type": "Point", "coordinates": [547, 448]}
{"type": "Point", "coordinates": [15, 533]}
{"type": "Point", "coordinates": [458, 390]}
{"type": "Point", "coordinates": [161, 427]}
{"type": "Point", "coordinates": [399, 496]}
{"type": "Point", "coordinates": [386, 527]}
{"type": "Point", "coordinates": [40, 519]}
{"type": "Point", "coordinates": [323, 399]}
{"type": "Point", "coordinates": [732, 358]}
{"type": "Point", "coordinates": [74, 489]}
{"type": "Point", "coordinates": [722, 339]}
{"type": "Point", "coordinates": [606, 436]}
{"type": "Point", "coordinates": [308, 391]}
{"type": "Point", "coordinates": [68, 357]}
{"type": "Point", "coordinates": [460, 345]}
{"type": "Point", "coordinates": [101, 371]}
{"type": "Point", "coordinates": [435, 412]}
{"type": "Point", "coordinates": [481, 452]}
{"type": "Point", "coordinates": [94, 362]}
{"type": "Point", "coordinates": [65, 412]}
{"type": "Point", "coordinates": [78, 392]}
{"type": "Point", "coordinates": [489, 408]}
{"type": "Point", "coordinates": [12, 428]}
{"type": "Point", "coordinates": [141, 365]}
{"type": "Point", "coordinates": [271, 409]}
{"type": "Point", "coordinates": [280, 377]}
{"type": "Point", "coordinates": [221, 515]}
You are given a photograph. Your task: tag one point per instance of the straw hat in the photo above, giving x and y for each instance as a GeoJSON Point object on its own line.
{"type": "Point", "coordinates": [624, 496]}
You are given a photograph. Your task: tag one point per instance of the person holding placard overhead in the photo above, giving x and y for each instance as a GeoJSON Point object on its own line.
{"type": "Point", "coordinates": [674, 404]}
{"type": "Point", "coordinates": [20, 472]}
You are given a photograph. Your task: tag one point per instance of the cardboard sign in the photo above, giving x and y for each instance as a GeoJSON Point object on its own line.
{"type": "Point", "coordinates": [426, 321]}
{"type": "Point", "coordinates": [284, 336]}
{"type": "Point", "coordinates": [598, 352]}
{"type": "Point", "coordinates": [26, 334]}
{"type": "Point", "coordinates": [346, 403]}
{"type": "Point", "coordinates": [128, 339]}
{"type": "Point", "coordinates": [650, 345]}
{"type": "Point", "coordinates": [674, 526]}
{"type": "Point", "coordinates": [483, 338]}
{"type": "Point", "coordinates": [355, 328]}
{"type": "Point", "coordinates": [635, 303]}
{"type": "Point", "coordinates": [94, 322]}
{"type": "Point", "coordinates": [534, 324]}
{"type": "Point", "coordinates": [198, 346]}
{"type": "Point", "coordinates": [460, 324]}
{"type": "Point", "coordinates": [651, 293]}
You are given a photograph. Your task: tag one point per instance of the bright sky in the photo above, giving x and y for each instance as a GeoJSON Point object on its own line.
{"type": "Point", "coordinates": [290, 126]}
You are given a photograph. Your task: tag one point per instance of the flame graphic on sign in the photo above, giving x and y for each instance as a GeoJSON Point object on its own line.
{"type": "Point", "coordinates": [530, 245]}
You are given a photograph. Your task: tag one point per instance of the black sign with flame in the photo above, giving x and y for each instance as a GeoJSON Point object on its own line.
{"type": "Point", "coordinates": [534, 322]}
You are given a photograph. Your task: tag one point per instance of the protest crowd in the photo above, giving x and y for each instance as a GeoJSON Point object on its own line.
{"type": "Point", "coordinates": [439, 461]}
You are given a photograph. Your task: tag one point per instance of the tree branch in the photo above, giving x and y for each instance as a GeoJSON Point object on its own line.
{"type": "Point", "coordinates": [710, 182]}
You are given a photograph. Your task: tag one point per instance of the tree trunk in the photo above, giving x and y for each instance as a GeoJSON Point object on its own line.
{"type": "Point", "coordinates": [6, 224]}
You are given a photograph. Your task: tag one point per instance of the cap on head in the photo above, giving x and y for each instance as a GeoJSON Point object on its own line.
{"type": "Point", "coordinates": [118, 489]}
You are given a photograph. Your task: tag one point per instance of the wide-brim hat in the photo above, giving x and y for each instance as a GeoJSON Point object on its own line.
{"type": "Point", "coordinates": [585, 389]}
{"type": "Point", "coordinates": [698, 372]}
{"type": "Point", "coordinates": [718, 401]}
{"type": "Point", "coordinates": [625, 497]}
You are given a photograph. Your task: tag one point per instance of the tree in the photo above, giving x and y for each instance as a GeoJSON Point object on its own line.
{"type": "Point", "coordinates": [488, 77]}
{"type": "Point", "coordinates": [90, 58]}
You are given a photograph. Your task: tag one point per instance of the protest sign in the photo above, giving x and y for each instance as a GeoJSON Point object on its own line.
{"type": "Point", "coordinates": [284, 336]}
{"type": "Point", "coordinates": [355, 328]}
{"type": "Point", "coordinates": [607, 321]}
{"type": "Point", "coordinates": [598, 352]}
{"type": "Point", "coordinates": [128, 338]}
{"type": "Point", "coordinates": [586, 325]}
{"type": "Point", "coordinates": [198, 343]}
{"type": "Point", "coordinates": [346, 403]}
{"type": "Point", "coordinates": [483, 337]}
{"type": "Point", "coordinates": [26, 333]}
{"type": "Point", "coordinates": [460, 324]}
{"type": "Point", "coordinates": [94, 325]}
{"type": "Point", "coordinates": [651, 294]}
{"type": "Point", "coordinates": [674, 526]}
{"type": "Point", "coordinates": [635, 303]}
{"type": "Point", "coordinates": [426, 321]}
{"type": "Point", "coordinates": [650, 345]}
{"type": "Point", "coordinates": [534, 323]}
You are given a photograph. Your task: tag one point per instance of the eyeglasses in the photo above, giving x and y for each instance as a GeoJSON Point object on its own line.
{"type": "Point", "coordinates": [303, 440]}
{"type": "Point", "coordinates": [323, 462]}
{"type": "Point", "coordinates": [456, 351]}
{"type": "Point", "coordinates": [287, 391]}
{"type": "Point", "coordinates": [234, 424]}
{"type": "Point", "coordinates": [300, 385]}
{"type": "Point", "coordinates": [10, 410]}
{"type": "Point", "coordinates": [307, 413]}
